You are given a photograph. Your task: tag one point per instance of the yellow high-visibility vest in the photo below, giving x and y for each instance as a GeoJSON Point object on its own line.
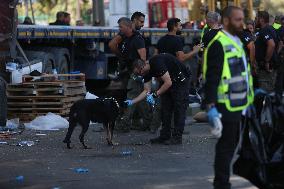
{"type": "Point", "coordinates": [235, 89]}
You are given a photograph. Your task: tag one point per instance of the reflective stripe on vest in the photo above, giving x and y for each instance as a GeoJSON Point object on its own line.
{"type": "Point", "coordinates": [234, 91]}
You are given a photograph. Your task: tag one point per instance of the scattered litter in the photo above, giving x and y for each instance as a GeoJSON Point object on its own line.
{"type": "Point", "coordinates": [8, 134]}
{"type": "Point", "coordinates": [11, 125]}
{"type": "Point", "coordinates": [1, 142]}
{"type": "Point", "coordinates": [90, 96]}
{"type": "Point", "coordinates": [81, 170]}
{"type": "Point", "coordinates": [50, 121]}
{"type": "Point", "coordinates": [20, 178]}
{"type": "Point", "coordinates": [126, 153]}
{"type": "Point", "coordinates": [40, 134]}
{"type": "Point", "coordinates": [24, 143]}
{"type": "Point", "coordinates": [56, 188]}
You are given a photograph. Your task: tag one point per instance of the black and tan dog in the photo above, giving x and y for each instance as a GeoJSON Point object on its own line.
{"type": "Point", "coordinates": [101, 110]}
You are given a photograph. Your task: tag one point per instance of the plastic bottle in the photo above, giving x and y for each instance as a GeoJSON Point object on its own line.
{"type": "Point", "coordinates": [217, 127]}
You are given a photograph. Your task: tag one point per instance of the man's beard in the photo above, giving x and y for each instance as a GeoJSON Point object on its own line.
{"type": "Point", "coordinates": [178, 32]}
{"type": "Point", "coordinates": [235, 31]}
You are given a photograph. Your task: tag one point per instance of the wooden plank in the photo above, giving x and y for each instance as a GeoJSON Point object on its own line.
{"type": "Point", "coordinates": [52, 77]}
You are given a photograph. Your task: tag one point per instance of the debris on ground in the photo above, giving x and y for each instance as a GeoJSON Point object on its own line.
{"type": "Point", "coordinates": [81, 170]}
{"type": "Point", "coordinates": [2, 142]}
{"type": "Point", "coordinates": [40, 134]}
{"type": "Point", "coordinates": [26, 143]}
{"type": "Point", "coordinates": [8, 134]}
{"type": "Point", "coordinates": [126, 153]}
{"type": "Point", "coordinates": [50, 121]}
{"type": "Point", "coordinates": [20, 178]}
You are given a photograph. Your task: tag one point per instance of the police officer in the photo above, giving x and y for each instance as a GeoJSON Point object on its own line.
{"type": "Point", "coordinates": [248, 43]}
{"type": "Point", "coordinates": [280, 71]}
{"type": "Point", "coordinates": [173, 92]}
{"type": "Point", "coordinates": [265, 51]}
{"type": "Point", "coordinates": [228, 89]}
{"type": "Point", "coordinates": [171, 43]}
{"type": "Point", "coordinates": [131, 48]}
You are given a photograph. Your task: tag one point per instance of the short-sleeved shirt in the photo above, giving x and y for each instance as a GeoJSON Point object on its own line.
{"type": "Point", "coordinates": [130, 45]}
{"type": "Point", "coordinates": [246, 37]}
{"type": "Point", "coordinates": [209, 35]}
{"type": "Point", "coordinates": [170, 44]}
{"type": "Point", "coordinates": [162, 63]}
{"type": "Point", "coordinates": [262, 36]}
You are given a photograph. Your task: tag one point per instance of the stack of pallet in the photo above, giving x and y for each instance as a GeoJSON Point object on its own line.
{"type": "Point", "coordinates": [38, 95]}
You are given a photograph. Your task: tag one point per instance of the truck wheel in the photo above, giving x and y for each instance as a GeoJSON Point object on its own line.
{"type": "Point", "coordinates": [47, 59]}
{"type": "Point", "coordinates": [63, 65]}
{"type": "Point", "coordinates": [3, 102]}
{"type": "Point", "coordinates": [62, 57]}
{"type": "Point", "coordinates": [48, 63]}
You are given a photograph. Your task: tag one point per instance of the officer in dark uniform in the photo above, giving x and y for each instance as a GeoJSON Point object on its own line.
{"type": "Point", "coordinates": [248, 43]}
{"type": "Point", "coordinates": [265, 52]}
{"type": "Point", "coordinates": [132, 47]}
{"type": "Point", "coordinates": [280, 71]}
{"type": "Point", "coordinates": [174, 91]}
{"type": "Point", "coordinates": [228, 89]}
{"type": "Point", "coordinates": [172, 43]}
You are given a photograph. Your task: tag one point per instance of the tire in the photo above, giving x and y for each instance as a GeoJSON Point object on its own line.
{"type": "Point", "coordinates": [62, 65]}
{"type": "Point", "coordinates": [62, 59]}
{"type": "Point", "coordinates": [3, 102]}
{"type": "Point", "coordinates": [47, 59]}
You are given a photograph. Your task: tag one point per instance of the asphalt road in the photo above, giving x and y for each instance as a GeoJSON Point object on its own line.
{"type": "Point", "coordinates": [49, 164]}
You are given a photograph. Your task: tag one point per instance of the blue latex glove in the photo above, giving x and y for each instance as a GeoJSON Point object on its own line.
{"type": "Point", "coordinates": [259, 91]}
{"type": "Point", "coordinates": [211, 114]}
{"type": "Point", "coordinates": [129, 102]}
{"type": "Point", "coordinates": [150, 99]}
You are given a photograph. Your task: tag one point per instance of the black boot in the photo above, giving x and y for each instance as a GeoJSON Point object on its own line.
{"type": "Point", "coordinates": [158, 140]}
{"type": "Point", "coordinates": [173, 141]}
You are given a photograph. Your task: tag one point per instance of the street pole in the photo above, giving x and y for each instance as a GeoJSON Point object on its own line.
{"type": "Point", "coordinates": [98, 13]}
{"type": "Point", "coordinates": [26, 8]}
{"type": "Point", "coordinates": [33, 16]}
{"type": "Point", "coordinates": [211, 5]}
{"type": "Point", "coordinates": [250, 8]}
{"type": "Point", "coordinates": [78, 10]}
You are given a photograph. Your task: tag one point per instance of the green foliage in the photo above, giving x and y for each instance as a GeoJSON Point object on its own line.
{"type": "Point", "coordinates": [45, 10]}
{"type": "Point", "coordinates": [274, 7]}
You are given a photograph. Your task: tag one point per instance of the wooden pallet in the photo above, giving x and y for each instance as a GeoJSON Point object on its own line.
{"type": "Point", "coordinates": [31, 99]}
{"type": "Point", "coordinates": [52, 78]}
{"type": "Point", "coordinates": [47, 89]}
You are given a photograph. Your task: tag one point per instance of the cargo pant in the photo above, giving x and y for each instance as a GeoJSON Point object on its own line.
{"type": "Point", "coordinates": [142, 109]}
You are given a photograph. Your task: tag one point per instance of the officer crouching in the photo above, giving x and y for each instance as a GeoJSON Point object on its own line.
{"type": "Point", "coordinates": [174, 91]}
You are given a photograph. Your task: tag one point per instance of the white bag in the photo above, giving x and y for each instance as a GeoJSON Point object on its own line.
{"type": "Point", "coordinates": [50, 121]}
